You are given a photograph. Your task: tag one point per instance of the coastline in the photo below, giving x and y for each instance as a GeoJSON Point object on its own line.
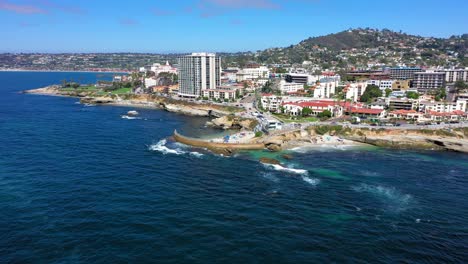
{"type": "Point", "coordinates": [312, 136]}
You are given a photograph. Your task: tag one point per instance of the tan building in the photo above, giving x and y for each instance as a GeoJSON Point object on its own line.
{"type": "Point", "coordinates": [401, 85]}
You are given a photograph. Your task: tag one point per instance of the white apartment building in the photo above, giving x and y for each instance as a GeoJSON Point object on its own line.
{"type": "Point", "coordinates": [444, 107]}
{"type": "Point", "coordinates": [221, 94]}
{"type": "Point", "coordinates": [325, 90]}
{"type": "Point", "coordinates": [198, 72]}
{"type": "Point", "coordinates": [382, 84]}
{"type": "Point", "coordinates": [354, 91]}
{"type": "Point", "coordinates": [271, 102]}
{"type": "Point", "coordinates": [287, 88]}
{"type": "Point", "coordinates": [453, 75]}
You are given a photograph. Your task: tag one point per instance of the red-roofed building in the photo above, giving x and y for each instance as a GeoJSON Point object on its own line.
{"type": "Point", "coordinates": [456, 115]}
{"type": "Point", "coordinates": [406, 114]}
{"type": "Point", "coordinates": [377, 113]}
{"type": "Point", "coordinates": [295, 108]}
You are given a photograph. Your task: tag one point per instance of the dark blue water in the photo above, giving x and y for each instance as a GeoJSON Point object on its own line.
{"type": "Point", "coordinates": [82, 185]}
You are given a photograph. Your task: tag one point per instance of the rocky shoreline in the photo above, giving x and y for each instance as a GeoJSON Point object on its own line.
{"type": "Point", "coordinates": [142, 101]}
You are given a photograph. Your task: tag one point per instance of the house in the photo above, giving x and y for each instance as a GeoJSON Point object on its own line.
{"type": "Point", "coordinates": [366, 112]}
{"type": "Point", "coordinates": [406, 115]}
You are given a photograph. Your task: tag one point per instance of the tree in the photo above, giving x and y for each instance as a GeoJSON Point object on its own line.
{"type": "Point", "coordinates": [412, 95]}
{"type": "Point", "coordinates": [372, 91]}
{"type": "Point", "coordinates": [388, 91]}
{"type": "Point", "coordinates": [325, 114]}
{"type": "Point", "coordinates": [267, 87]}
{"type": "Point", "coordinates": [441, 94]}
{"type": "Point", "coordinates": [460, 86]}
{"type": "Point", "coordinates": [306, 111]}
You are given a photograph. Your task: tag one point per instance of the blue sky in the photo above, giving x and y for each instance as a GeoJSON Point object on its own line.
{"type": "Point", "coordinates": [210, 25]}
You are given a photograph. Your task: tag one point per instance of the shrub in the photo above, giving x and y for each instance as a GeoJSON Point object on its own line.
{"type": "Point", "coordinates": [258, 134]}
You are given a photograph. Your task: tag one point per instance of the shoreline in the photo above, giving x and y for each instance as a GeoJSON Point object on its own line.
{"type": "Point", "coordinates": [312, 136]}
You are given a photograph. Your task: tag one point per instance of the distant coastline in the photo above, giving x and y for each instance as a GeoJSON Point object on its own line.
{"type": "Point", "coordinates": [83, 71]}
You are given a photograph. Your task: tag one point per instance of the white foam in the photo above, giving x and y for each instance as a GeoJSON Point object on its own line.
{"type": "Point", "coordinates": [161, 147]}
{"type": "Point", "coordinates": [130, 117]}
{"type": "Point", "coordinates": [289, 170]}
{"type": "Point", "coordinates": [311, 181]}
{"type": "Point", "coordinates": [196, 154]}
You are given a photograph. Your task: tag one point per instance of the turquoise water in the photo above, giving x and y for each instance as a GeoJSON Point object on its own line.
{"type": "Point", "coordinates": [82, 185]}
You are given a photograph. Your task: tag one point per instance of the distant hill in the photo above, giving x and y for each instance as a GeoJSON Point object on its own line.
{"type": "Point", "coordinates": [360, 47]}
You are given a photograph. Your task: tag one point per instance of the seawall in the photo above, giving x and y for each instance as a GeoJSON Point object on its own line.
{"type": "Point", "coordinates": [195, 142]}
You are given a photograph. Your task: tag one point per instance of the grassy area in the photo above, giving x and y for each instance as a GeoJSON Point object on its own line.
{"type": "Point", "coordinates": [296, 119]}
{"type": "Point", "coordinates": [122, 91]}
{"type": "Point", "coordinates": [90, 88]}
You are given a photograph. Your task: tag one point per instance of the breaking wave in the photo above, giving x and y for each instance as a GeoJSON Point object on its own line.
{"type": "Point", "coordinates": [285, 169]}
{"type": "Point", "coordinates": [162, 148]}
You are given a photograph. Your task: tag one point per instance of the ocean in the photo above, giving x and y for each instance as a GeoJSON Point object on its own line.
{"type": "Point", "coordinates": [81, 184]}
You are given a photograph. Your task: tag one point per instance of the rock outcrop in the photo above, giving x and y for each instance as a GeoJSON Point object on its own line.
{"type": "Point", "coordinates": [233, 122]}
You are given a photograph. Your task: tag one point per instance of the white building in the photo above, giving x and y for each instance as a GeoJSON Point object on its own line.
{"type": "Point", "coordinates": [453, 75]}
{"type": "Point", "coordinates": [325, 90]}
{"type": "Point", "coordinates": [382, 84]}
{"type": "Point", "coordinates": [246, 74]}
{"type": "Point", "coordinates": [354, 91]}
{"type": "Point", "coordinates": [444, 107]}
{"type": "Point", "coordinates": [158, 68]}
{"type": "Point", "coordinates": [149, 82]}
{"type": "Point", "coordinates": [287, 88]}
{"type": "Point", "coordinates": [221, 94]}
{"type": "Point", "coordinates": [198, 72]}
{"type": "Point", "coordinates": [271, 102]}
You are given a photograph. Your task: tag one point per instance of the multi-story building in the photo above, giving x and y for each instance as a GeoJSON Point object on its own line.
{"type": "Point", "coordinates": [198, 72]}
{"type": "Point", "coordinates": [299, 78]}
{"type": "Point", "coordinates": [453, 75]}
{"type": "Point", "coordinates": [382, 84]}
{"type": "Point", "coordinates": [271, 102]}
{"type": "Point", "coordinates": [427, 81]}
{"type": "Point", "coordinates": [444, 107]}
{"type": "Point", "coordinates": [403, 73]}
{"type": "Point", "coordinates": [222, 93]}
{"type": "Point", "coordinates": [354, 91]}
{"type": "Point", "coordinates": [325, 89]}
{"type": "Point", "coordinates": [253, 73]}
{"type": "Point", "coordinates": [402, 104]}
{"type": "Point", "coordinates": [287, 88]}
